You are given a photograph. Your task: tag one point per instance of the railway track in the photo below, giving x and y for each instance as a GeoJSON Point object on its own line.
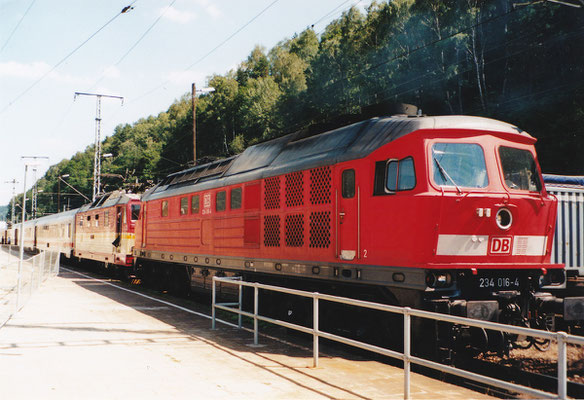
{"type": "Point", "coordinates": [531, 379]}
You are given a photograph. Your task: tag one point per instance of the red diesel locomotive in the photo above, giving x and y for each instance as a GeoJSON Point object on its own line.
{"type": "Point", "coordinates": [442, 213]}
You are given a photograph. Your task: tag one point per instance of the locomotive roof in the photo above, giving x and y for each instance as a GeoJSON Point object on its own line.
{"type": "Point", "coordinates": [109, 200]}
{"type": "Point", "coordinates": [296, 152]}
{"type": "Point", "coordinates": [62, 217]}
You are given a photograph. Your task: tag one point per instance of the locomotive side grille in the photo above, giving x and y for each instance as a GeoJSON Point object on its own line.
{"type": "Point", "coordinates": [294, 189]}
{"type": "Point", "coordinates": [272, 193]}
{"type": "Point", "coordinates": [272, 231]}
{"type": "Point", "coordinates": [295, 230]}
{"type": "Point", "coordinates": [320, 229]}
{"type": "Point", "coordinates": [320, 185]}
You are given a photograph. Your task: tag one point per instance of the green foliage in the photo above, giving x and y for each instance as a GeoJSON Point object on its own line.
{"type": "Point", "coordinates": [519, 63]}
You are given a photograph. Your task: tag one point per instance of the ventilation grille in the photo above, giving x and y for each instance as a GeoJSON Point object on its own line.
{"type": "Point", "coordinates": [320, 229]}
{"type": "Point", "coordinates": [272, 193]}
{"type": "Point", "coordinates": [294, 189]}
{"type": "Point", "coordinates": [295, 230]}
{"type": "Point", "coordinates": [320, 185]}
{"type": "Point", "coordinates": [272, 231]}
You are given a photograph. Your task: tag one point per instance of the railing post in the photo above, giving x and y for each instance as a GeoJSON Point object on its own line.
{"type": "Point", "coordinates": [34, 262]}
{"type": "Point", "coordinates": [255, 313]}
{"type": "Point", "coordinates": [57, 264]}
{"type": "Point", "coordinates": [407, 344]}
{"type": "Point", "coordinates": [240, 302]}
{"type": "Point", "coordinates": [213, 299]}
{"type": "Point", "coordinates": [562, 366]}
{"type": "Point", "coordinates": [315, 329]}
{"type": "Point", "coordinates": [40, 273]}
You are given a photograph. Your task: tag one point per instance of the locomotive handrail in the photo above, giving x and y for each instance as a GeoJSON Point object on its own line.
{"type": "Point", "coordinates": [562, 338]}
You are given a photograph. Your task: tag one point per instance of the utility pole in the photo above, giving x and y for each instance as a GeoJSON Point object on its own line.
{"type": "Point", "coordinates": [14, 182]}
{"type": "Point", "coordinates": [97, 156]}
{"type": "Point", "coordinates": [194, 103]}
{"type": "Point", "coordinates": [33, 206]}
{"type": "Point", "coordinates": [194, 92]}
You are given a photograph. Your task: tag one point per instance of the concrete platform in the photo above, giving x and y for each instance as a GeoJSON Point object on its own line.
{"type": "Point", "coordinates": [82, 338]}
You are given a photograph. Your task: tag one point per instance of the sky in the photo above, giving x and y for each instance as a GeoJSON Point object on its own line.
{"type": "Point", "coordinates": [150, 55]}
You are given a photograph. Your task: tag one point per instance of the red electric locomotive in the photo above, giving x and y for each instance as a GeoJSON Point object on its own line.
{"type": "Point", "coordinates": [443, 213]}
{"type": "Point", "coordinates": [105, 231]}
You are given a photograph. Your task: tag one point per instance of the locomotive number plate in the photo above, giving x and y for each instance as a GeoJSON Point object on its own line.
{"type": "Point", "coordinates": [498, 283]}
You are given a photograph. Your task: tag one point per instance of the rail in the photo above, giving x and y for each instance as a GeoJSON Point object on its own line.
{"type": "Point", "coordinates": [561, 337]}
{"type": "Point", "coordinates": [18, 282]}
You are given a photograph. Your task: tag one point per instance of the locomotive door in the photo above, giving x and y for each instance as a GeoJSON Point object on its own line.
{"type": "Point", "coordinates": [144, 224]}
{"type": "Point", "coordinates": [118, 239]}
{"type": "Point", "coordinates": [348, 216]}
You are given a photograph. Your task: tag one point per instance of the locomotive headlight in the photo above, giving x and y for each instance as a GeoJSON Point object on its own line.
{"type": "Point", "coordinates": [438, 279]}
{"type": "Point", "coordinates": [504, 219]}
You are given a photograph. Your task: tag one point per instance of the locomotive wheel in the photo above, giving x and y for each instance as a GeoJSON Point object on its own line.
{"type": "Point", "coordinates": [179, 281]}
{"type": "Point", "coordinates": [123, 273]}
{"type": "Point", "coordinates": [148, 275]}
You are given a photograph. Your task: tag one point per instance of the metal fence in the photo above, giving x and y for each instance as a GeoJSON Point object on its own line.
{"type": "Point", "coordinates": [18, 280]}
{"type": "Point", "coordinates": [561, 338]}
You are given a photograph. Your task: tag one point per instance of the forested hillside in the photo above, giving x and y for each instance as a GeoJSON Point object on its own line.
{"type": "Point", "coordinates": [519, 62]}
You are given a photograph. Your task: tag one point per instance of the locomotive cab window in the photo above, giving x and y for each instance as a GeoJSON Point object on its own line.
{"type": "Point", "coordinates": [165, 208]}
{"type": "Point", "coordinates": [519, 169]}
{"type": "Point", "coordinates": [400, 175]}
{"type": "Point", "coordinates": [459, 165]}
{"type": "Point", "coordinates": [135, 212]}
{"type": "Point", "coordinates": [195, 204]}
{"type": "Point", "coordinates": [220, 201]}
{"type": "Point", "coordinates": [348, 183]}
{"type": "Point", "coordinates": [235, 198]}
{"type": "Point", "coordinates": [184, 205]}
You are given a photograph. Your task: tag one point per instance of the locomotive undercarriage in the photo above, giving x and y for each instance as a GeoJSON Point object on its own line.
{"type": "Point", "coordinates": [519, 298]}
{"type": "Point", "coordinates": [518, 301]}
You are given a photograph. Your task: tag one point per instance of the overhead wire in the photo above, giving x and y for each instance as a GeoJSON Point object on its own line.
{"type": "Point", "coordinates": [123, 57]}
{"type": "Point", "coordinates": [338, 13]}
{"type": "Point", "coordinates": [407, 53]}
{"type": "Point", "coordinates": [330, 13]}
{"type": "Point", "coordinates": [125, 9]}
{"type": "Point", "coordinates": [17, 25]}
{"type": "Point", "coordinates": [120, 60]}
{"type": "Point", "coordinates": [209, 52]}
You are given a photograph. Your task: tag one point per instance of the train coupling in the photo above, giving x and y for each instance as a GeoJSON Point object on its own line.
{"type": "Point", "coordinates": [570, 308]}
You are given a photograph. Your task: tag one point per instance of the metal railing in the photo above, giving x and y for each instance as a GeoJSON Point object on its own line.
{"type": "Point", "coordinates": [18, 282]}
{"type": "Point", "coordinates": [561, 338]}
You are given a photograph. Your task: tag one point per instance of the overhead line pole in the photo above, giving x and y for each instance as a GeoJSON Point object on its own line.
{"type": "Point", "coordinates": [194, 92]}
{"type": "Point", "coordinates": [97, 156]}
{"type": "Point", "coordinates": [14, 182]}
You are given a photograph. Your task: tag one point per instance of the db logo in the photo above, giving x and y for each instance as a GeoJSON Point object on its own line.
{"type": "Point", "coordinates": [501, 245]}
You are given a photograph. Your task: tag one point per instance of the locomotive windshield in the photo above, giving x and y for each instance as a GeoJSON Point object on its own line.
{"type": "Point", "coordinates": [519, 169]}
{"type": "Point", "coordinates": [135, 212]}
{"type": "Point", "coordinates": [459, 165]}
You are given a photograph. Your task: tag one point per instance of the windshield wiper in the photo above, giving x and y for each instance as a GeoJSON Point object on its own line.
{"type": "Point", "coordinates": [445, 175]}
